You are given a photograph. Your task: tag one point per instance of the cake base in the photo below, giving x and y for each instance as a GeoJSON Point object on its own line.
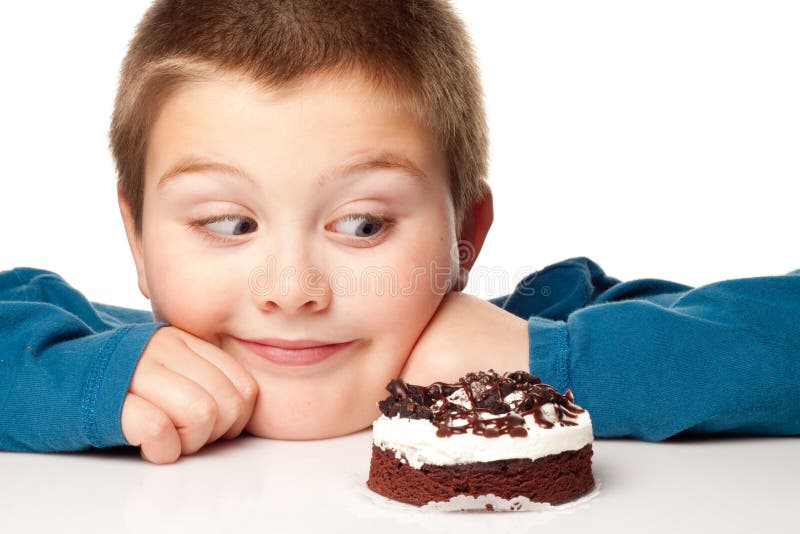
{"type": "Point", "coordinates": [553, 479]}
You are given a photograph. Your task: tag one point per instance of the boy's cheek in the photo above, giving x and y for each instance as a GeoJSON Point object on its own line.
{"type": "Point", "coordinates": [324, 405]}
{"type": "Point", "coordinates": [298, 412]}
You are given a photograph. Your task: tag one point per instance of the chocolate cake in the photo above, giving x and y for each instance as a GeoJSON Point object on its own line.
{"type": "Point", "coordinates": [508, 435]}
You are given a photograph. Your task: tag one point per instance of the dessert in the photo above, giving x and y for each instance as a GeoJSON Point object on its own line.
{"type": "Point", "coordinates": [508, 435]}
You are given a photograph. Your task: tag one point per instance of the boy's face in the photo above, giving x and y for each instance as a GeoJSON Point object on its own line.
{"type": "Point", "coordinates": [294, 267]}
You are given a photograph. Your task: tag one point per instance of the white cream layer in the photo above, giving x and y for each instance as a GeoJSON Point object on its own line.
{"type": "Point", "coordinates": [416, 440]}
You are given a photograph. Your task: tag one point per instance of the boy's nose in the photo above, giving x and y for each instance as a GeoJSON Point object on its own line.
{"type": "Point", "coordinates": [289, 289]}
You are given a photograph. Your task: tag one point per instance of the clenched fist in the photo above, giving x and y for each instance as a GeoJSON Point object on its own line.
{"type": "Point", "coordinates": [185, 393]}
{"type": "Point", "coordinates": [467, 334]}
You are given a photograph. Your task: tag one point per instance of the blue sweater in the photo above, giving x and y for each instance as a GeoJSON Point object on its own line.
{"type": "Point", "coordinates": [648, 358]}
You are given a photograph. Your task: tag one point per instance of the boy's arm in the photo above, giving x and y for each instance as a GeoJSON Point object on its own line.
{"type": "Point", "coordinates": [65, 364]}
{"type": "Point", "coordinates": [651, 358]}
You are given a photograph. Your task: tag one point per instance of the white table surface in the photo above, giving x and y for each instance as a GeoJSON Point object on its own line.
{"type": "Point", "coordinates": [257, 485]}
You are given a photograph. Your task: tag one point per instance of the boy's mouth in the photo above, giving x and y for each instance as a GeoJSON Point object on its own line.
{"type": "Point", "coordinates": [298, 352]}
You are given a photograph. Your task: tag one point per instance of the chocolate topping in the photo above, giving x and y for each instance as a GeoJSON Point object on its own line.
{"type": "Point", "coordinates": [483, 392]}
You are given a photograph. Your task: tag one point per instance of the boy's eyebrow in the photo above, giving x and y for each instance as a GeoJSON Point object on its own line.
{"type": "Point", "coordinates": [381, 160]}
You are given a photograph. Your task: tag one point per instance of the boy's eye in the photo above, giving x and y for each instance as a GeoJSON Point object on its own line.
{"type": "Point", "coordinates": [228, 225]}
{"type": "Point", "coordinates": [365, 226]}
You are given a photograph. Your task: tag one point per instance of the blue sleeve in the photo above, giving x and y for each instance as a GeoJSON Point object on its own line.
{"type": "Point", "coordinates": [65, 364]}
{"type": "Point", "coordinates": [651, 358]}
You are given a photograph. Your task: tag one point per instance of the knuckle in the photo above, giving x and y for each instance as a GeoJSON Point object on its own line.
{"type": "Point", "coordinates": [249, 389]}
{"type": "Point", "coordinates": [203, 410]}
{"type": "Point", "coordinates": [158, 427]}
{"type": "Point", "coordinates": [239, 404]}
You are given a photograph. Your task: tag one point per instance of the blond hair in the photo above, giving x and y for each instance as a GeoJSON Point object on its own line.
{"type": "Point", "coordinates": [416, 50]}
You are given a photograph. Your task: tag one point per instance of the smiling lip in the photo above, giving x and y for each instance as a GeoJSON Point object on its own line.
{"type": "Point", "coordinates": [300, 352]}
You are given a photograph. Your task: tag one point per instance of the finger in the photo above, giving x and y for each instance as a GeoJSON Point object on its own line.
{"type": "Point", "coordinates": [230, 404]}
{"type": "Point", "coordinates": [191, 408]}
{"type": "Point", "coordinates": [236, 373]}
{"type": "Point", "coordinates": [145, 425]}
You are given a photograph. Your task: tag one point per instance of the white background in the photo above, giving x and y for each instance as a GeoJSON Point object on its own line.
{"type": "Point", "coordinates": [659, 139]}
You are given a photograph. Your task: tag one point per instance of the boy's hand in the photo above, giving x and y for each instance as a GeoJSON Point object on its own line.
{"type": "Point", "coordinates": [467, 334]}
{"type": "Point", "coordinates": [185, 393]}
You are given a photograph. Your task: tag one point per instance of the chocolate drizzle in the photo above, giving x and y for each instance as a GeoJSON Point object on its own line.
{"type": "Point", "coordinates": [482, 392]}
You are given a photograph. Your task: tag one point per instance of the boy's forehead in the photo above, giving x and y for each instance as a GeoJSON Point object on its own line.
{"type": "Point", "coordinates": [217, 119]}
{"type": "Point", "coordinates": [332, 88]}
{"type": "Point", "coordinates": [202, 124]}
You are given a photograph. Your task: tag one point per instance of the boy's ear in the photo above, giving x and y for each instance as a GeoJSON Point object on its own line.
{"type": "Point", "coordinates": [477, 221]}
{"type": "Point", "coordinates": [134, 242]}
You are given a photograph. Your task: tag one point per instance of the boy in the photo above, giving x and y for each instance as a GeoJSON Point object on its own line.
{"type": "Point", "coordinates": [252, 139]}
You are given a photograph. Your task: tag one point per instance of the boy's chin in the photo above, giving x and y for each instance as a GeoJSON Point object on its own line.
{"type": "Point", "coordinates": [308, 426]}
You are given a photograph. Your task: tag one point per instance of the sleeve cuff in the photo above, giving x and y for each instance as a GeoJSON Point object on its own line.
{"type": "Point", "coordinates": [108, 384]}
{"type": "Point", "coordinates": [548, 351]}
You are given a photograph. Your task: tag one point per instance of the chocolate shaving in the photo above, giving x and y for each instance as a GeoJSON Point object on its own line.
{"type": "Point", "coordinates": [485, 392]}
